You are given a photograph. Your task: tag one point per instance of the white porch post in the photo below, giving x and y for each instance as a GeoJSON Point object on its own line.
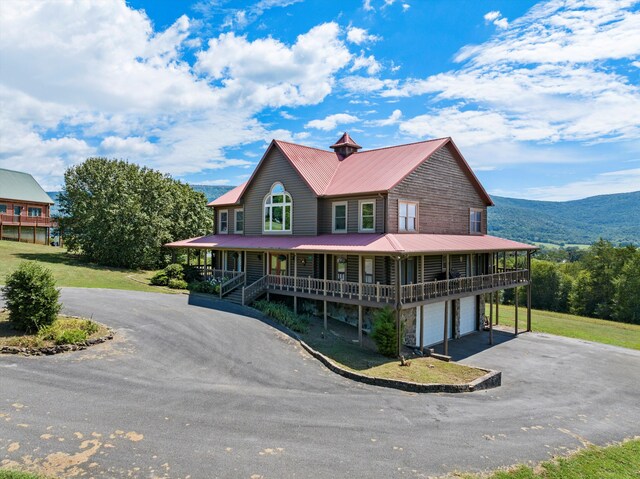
{"type": "Point", "coordinates": [446, 314]}
{"type": "Point", "coordinates": [295, 283]}
{"type": "Point", "coordinates": [324, 306]}
{"type": "Point", "coordinates": [360, 281]}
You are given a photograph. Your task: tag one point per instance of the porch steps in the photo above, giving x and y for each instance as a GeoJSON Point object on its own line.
{"type": "Point", "coordinates": [234, 296]}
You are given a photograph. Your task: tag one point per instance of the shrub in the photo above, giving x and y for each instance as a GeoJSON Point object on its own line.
{"type": "Point", "coordinates": [159, 279]}
{"type": "Point", "coordinates": [31, 297]}
{"type": "Point", "coordinates": [191, 274]}
{"type": "Point", "coordinates": [177, 284]}
{"type": "Point", "coordinates": [174, 271]}
{"type": "Point", "coordinates": [71, 336]}
{"type": "Point", "coordinates": [384, 332]}
{"type": "Point", "coordinates": [203, 287]}
{"type": "Point", "coordinates": [283, 315]}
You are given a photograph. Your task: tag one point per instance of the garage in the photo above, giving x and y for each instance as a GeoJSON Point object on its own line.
{"type": "Point", "coordinates": [433, 330]}
{"type": "Point", "coordinates": [467, 315]}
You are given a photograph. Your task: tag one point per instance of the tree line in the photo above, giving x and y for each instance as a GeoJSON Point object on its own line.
{"type": "Point", "coordinates": [602, 281]}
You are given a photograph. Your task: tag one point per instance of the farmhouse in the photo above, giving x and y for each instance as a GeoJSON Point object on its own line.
{"type": "Point", "coordinates": [24, 208]}
{"type": "Point", "coordinates": [343, 231]}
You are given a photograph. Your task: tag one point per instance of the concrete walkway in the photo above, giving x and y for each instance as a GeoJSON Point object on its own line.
{"type": "Point", "coordinates": [185, 390]}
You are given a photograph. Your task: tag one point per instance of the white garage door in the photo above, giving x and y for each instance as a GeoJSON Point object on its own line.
{"type": "Point", "coordinates": [433, 330]}
{"type": "Point", "coordinates": [467, 315]}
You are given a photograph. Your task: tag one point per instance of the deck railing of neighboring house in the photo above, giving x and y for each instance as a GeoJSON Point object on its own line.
{"type": "Point", "coordinates": [255, 289]}
{"type": "Point", "coordinates": [238, 279]}
{"type": "Point", "coordinates": [414, 293]}
{"type": "Point", "coordinates": [19, 220]}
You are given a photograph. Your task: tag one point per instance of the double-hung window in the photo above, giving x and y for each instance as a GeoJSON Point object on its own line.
{"type": "Point", "coordinates": [475, 221]}
{"type": "Point", "coordinates": [223, 222]}
{"type": "Point", "coordinates": [367, 221]}
{"type": "Point", "coordinates": [341, 269]}
{"type": "Point", "coordinates": [368, 271]}
{"type": "Point", "coordinates": [339, 220]}
{"type": "Point", "coordinates": [34, 211]}
{"type": "Point", "coordinates": [407, 216]}
{"type": "Point", "coordinates": [239, 226]}
{"type": "Point", "coordinates": [278, 210]}
{"type": "Point", "coordinates": [17, 210]}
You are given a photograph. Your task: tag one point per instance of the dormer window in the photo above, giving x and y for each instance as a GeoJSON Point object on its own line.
{"type": "Point", "coordinates": [475, 221]}
{"type": "Point", "coordinates": [278, 209]}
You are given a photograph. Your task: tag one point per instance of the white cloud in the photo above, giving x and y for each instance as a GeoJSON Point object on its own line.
{"type": "Point", "coordinates": [360, 35]}
{"type": "Point", "coordinates": [266, 72]}
{"type": "Point", "coordinates": [366, 6]}
{"type": "Point", "coordinates": [497, 19]}
{"type": "Point", "coordinates": [360, 84]}
{"type": "Point", "coordinates": [288, 116]}
{"type": "Point", "coordinates": [222, 182]}
{"type": "Point", "coordinates": [331, 122]}
{"type": "Point", "coordinates": [127, 147]}
{"type": "Point", "coordinates": [393, 119]}
{"type": "Point", "coordinates": [493, 15]}
{"type": "Point", "coordinates": [369, 63]}
{"type": "Point", "coordinates": [405, 7]}
{"type": "Point", "coordinates": [622, 181]}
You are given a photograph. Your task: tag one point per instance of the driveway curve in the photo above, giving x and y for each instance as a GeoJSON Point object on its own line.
{"type": "Point", "coordinates": [189, 391]}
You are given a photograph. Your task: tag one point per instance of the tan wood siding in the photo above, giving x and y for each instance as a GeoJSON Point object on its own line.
{"type": "Point", "coordinates": [325, 213]}
{"type": "Point", "coordinates": [305, 208]}
{"type": "Point", "coordinates": [444, 193]}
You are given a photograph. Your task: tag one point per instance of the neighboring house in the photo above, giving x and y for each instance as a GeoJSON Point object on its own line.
{"type": "Point", "coordinates": [24, 208]}
{"type": "Point", "coordinates": [351, 230]}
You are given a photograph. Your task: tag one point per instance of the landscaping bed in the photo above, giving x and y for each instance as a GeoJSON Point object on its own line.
{"type": "Point", "coordinates": [67, 333]}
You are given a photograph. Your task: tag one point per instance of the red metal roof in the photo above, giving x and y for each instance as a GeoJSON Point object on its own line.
{"type": "Point", "coordinates": [358, 243]}
{"type": "Point", "coordinates": [370, 171]}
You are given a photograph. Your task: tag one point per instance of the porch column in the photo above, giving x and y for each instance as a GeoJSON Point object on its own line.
{"type": "Point", "coordinates": [446, 314]}
{"type": "Point", "coordinates": [491, 318]}
{"type": "Point", "coordinates": [422, 328]}
{"type": "Point", "coordinates": [516, 315]}
{"type": "Point", "coordinates": [398, 303]}
{"type": "Point", "coordinates": [200, 257]}
{"type": "Point", "coordinates": [295, 283]}
{"type": "Point", "coordinates": [324, 306]}
{"type": "Point", "coordinates": [360, 299]}
{"type": "Point", "coordinates": [529, 291]}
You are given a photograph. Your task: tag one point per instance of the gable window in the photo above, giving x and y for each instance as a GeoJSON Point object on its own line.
{"type": "Point", "coordinates": [339, 217]}
{"type": "Point", "coordinates": [367, 223]}
{"type": "Point", "coordinates": [223, 222]}
{"type": "Point", "coordinates": [407, 213]}
{"type": "Point", "coordinates": [3, 208]}
{"type": "Point", "coordinates": [239, 226]}
{"type": "Point", "coordinates": [278, 207]}
{"type": "Point", "coordinates": [475, 221]}
{"type": "Point", "coordinates": [34, 212]}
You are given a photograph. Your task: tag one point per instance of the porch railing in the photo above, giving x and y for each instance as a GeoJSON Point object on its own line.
{"type": "Point", "coordinates": [208, 272]}
{"type": "Point", "coordinates": [412, 293]}
{"type": "Point", "coordinates": [20, 220]}
{"type": "Point", "coordinates": [238, 279]}
{"type": "Point", "coordinates": [254, 290]}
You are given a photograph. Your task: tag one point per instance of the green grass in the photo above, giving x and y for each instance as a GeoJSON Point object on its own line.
{"type": "Point", "coordinates": [572, 326]}
{"type": "Point", "coordinates": [69, 270]}
{"type": "Point", "coordinates": [364, 360]}
{"type": "Point", "coordinates": [620, 461]}
{"type": "Point", "coordinates": [13, 474]}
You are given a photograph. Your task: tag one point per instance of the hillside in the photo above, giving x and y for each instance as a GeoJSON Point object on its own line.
{"type": "Point", "coordinates": [612, 217]}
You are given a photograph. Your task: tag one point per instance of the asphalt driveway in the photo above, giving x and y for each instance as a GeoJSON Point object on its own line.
{"type": "Point", "coordinates": [187, 391]}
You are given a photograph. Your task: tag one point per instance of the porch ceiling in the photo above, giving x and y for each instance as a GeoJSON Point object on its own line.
{"type": "Point", "coordinates": [387, 244]}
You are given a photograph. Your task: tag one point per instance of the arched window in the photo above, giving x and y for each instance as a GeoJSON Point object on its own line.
{"type": "Point", "coordinates": [278, 207]}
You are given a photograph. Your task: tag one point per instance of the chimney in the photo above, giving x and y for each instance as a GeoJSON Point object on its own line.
{"type": "Point", "coordinates": [345, 146]}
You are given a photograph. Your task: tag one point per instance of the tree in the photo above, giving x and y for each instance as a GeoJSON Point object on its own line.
{"type": "Point", "coordinates": [627, 295]}
{"type": "Point", "coordinates": [546, 284]}
{"type": "Point", "coordinates": [120, 214]}
{"type": "Point", "coordinates": [32, 297]}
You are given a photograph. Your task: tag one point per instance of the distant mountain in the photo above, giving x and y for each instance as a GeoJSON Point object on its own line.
{"type": "Point", "coordinates": [212, 192]}
{"type": "Point", "coordinates": [613, 217]}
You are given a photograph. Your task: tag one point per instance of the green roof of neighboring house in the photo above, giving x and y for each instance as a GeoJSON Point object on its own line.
{"type": "Point", "coordinates": [16, 185]}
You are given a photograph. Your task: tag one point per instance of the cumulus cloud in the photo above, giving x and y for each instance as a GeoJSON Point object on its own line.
{"type": "Point", "coordinates": [331, 122]}
{"type": "Point", "coordinates": [496, 18]}
{"type": "Point", "coordinates": [360, 35]}
{"type": "Point", "coordinates": [393, 119]}
{"type": "Point", "coordinates": [369, 63]}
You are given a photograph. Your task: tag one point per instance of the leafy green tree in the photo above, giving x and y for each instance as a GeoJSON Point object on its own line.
{"type": "Point", "coordinates": [581, 299]}
{"type": "Point", "coordinates": [384, 332]}
{"type": "Point", "coordinates": [31, 296]}
{"type": "Point", "coordinates": [545, 278]}
{"type": "Point", "coordinates": [120, 214]}
{"type": "Point", "coordinates": [627, 295]}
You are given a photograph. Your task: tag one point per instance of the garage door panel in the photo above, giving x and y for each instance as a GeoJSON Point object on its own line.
{"type": "Point", "coordinates": [467, 315]}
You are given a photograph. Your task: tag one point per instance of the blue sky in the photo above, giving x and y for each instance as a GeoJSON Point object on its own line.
{"type": "Point", "coordinates": [542, 98]}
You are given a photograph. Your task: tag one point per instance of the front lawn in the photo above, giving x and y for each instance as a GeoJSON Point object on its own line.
{"type": "Point", "coordinates": [339, 343]}
{"type": "Point", "coordinates": [569, 325]}
{"type": "Point", "coordinates": [69, 270]}
{"type": "Point", "coordinates": [620, 461]}
{"type": "Point", "coordinates": [64, 330]}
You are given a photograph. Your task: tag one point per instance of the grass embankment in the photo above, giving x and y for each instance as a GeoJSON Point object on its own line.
{"type": "Point", "coordinates": [69, 270]}
{"type": "Point", "coordinates": [342, 349]}
{"type": "Point", "coordinates": [64, 330]}
{"type": "Point", "coordinates": [13, 474]}
{"type": "Point", "coordinates": [572, 326]}
{"type": "Point", "coordinates": [619, 461]}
